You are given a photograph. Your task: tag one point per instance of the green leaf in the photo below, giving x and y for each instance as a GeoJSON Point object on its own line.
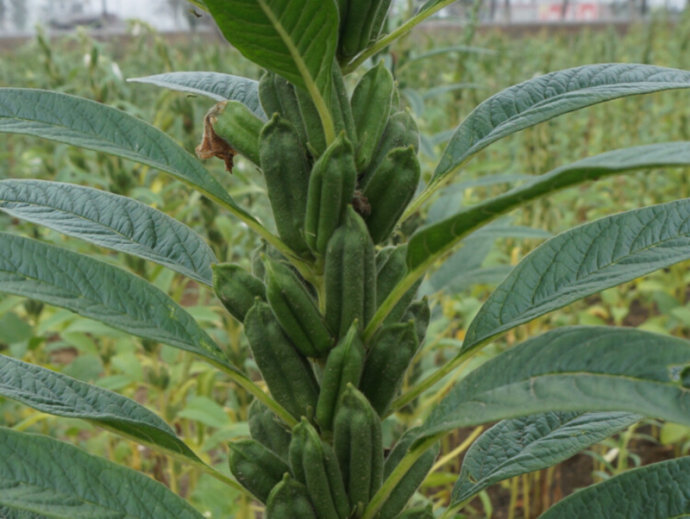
{"type": "Point", "coordinates": [573, 369]}
{"type": "Point", "coordinates": [57, 394]}
{"type": "Point", "coordinates": [295, 39]}
{"type": "Point", "coordinates": [39, 475]}
{"type": "Point", "coordinates": [111, 221]}
{"type": "Point", "coordinates": [217, 86]}
{"type": "Point", "coordinates": [582, 261]}
{"type": "Point", "coordinates": [548, 96]}
{"type": "Point", "coordinates": [430, 242]}
{"type": "Point", "coordinates": [88, 124]}
{"type": "Point", "coordinates": [7, 513]}
{"type": "Point", "coordinates": [99, 291]}
{"type": "Point", "coordinates": [521, 445]}
{"type": "Point", "coordinates": [657, 491]}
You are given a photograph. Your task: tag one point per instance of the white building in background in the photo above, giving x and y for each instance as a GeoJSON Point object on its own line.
{"type": "Point", "coordinates": [21, 16]}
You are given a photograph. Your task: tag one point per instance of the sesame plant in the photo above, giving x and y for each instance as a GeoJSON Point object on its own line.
{"type": "Point", "coordinates": [329, 309]}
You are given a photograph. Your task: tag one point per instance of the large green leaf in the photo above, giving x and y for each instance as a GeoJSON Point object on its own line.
{"type": "Point", "coordinates": [100, 291]}
{"type": "Point", "coordinates": [582, 261]}
{"type": "Point", "coordinates": [548, 96]}
{"type": "Point", "coordinates": [657, 491]}
{"type": "Point", "coordinates": [12, 513]}
{"type": "Point", "coordinates": [81, 122]}
{"type": "Point", "coordinates": [217, 86]}
{"type": "Point", "coordinates": [111, 221]}
{"type": "Point", "coordinates": [296, 39]}
{"type": "Point", "coordinates": [432, 241]}
{"type": "Point", "coordinates": [573, 369]}
{"type": "Point", "coordinates": [39, 475]}
{"type": "Point", "coordinates": [58, 394]}
{"type": "Point", "coordinates": [520, 445]}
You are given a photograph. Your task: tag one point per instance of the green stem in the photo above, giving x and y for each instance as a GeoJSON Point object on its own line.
{"type": "Point", "coordinates": [398, 473]}
{"type": "Point", "coordinates": [430, 189]}
{"type": "Point", "coordinates": [397, 33]}
{"type": "Point", "coordinates": [389, 303]}
{"type": "Point", "coordinates": [302, 266]}
{"type": "Point", "coordinates": [255, 390]}
{"type": "Point", "coordinates": [432, 379]}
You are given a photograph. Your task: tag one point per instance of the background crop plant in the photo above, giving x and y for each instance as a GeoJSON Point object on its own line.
{"type": "Point", "coordinates": [330, 308]}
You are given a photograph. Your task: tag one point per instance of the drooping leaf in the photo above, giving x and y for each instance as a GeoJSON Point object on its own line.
{"type": "Point", "coordinates": [656, 491]}
{"type": "Point", "coordinates": [58, 394]}
{"type": "Point", "coordinates": [573, 369]}
{"type": "Point", "coordinates": [548, 96]}
{"type": "Point", "coordinates": [215, 85]}
{"type": "Point", "coordinates": [99, 291]}
{"type": "Point", "coordinates": [88, 124]}
{"type": "Point", "coordinates": [295, 39]}
{"type": "Point", "coordinates": [45, 477]}
{"type": "Point", "coordinates": [111, 221]}
{"type": "Point", "coordinates": [520, 445]}
{"type": "Point", "coordinates": [430, 242]}
{"type": "Point", "coordinates": [582, 261]}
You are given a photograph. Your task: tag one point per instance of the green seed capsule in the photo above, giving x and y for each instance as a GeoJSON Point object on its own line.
{"type": "Point", "coordinates": [331, 188]}
{"type": "Point", "coordinates": [350, 275]}
{"type": "Point", "coordinates": [286, 171]}
{"type": "Point", "coordinates": [255, 467]}
{"type": "Point", "coordinates": [358, 446]}
{"type": "Point", "coordinates": [266, 428]}
{"type": "Point", "coordinates": [277, 95]}
{"type": "Point", "coordinates": [289, 500]}
{"type": "Point", "coordinates": [239, 127]}
{"type": "Point", "coordinates": [296, 310]}
{"type": "Point", "coordinates": [287, 373]}
{"type": "Point", "coordinates": [401, 131]}
{"type": "Point", "coordinates": [371, 106]}
{"type": "Point", "coordinates": [389, 190]}
{"type": "Point", "coordinates": [314, 460]}
{"type": "Point", "coordinates": [389, 357]}
{"type": "Point", "coordinates": [414, 477]}
{"type": "Point", "coordinates": [343, 366]}
{"type": "Point", "coordinates": [236, 288]}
